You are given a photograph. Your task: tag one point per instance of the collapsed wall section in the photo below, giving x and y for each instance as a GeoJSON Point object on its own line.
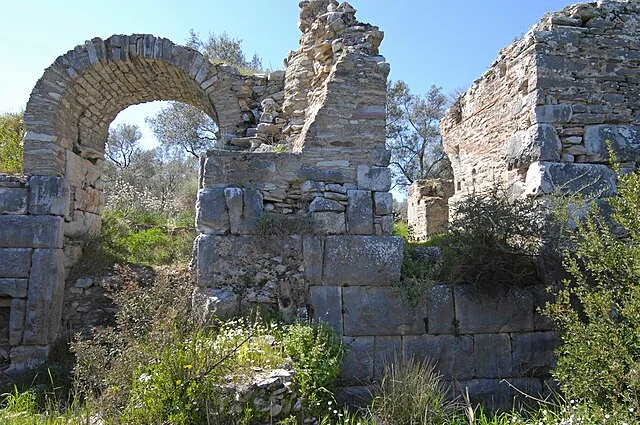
{"type": "Point", "coordinates": [539, 119]}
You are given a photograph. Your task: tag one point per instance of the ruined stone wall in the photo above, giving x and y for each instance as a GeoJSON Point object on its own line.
{"type": "Point", "coordinates": [31, 267]}
{"type": "Point", "coordinates": [538, 119]}
{"type": "Point", "coordinates": [428, 208]}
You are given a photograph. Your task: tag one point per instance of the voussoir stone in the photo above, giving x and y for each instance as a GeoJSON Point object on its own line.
{"type": "Point", "coordinates": [362, 260]}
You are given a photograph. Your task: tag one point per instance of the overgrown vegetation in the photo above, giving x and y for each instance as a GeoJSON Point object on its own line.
{"type": "Point", "coordinates": [598, 310]}
{"type": "Point", "coordinates": [11, 142]}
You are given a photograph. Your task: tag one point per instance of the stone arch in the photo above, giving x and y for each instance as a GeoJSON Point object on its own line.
{"type": "Point", "coordinates": [73, 103]}
{"type": "Point", "coordinates": [71, 106]}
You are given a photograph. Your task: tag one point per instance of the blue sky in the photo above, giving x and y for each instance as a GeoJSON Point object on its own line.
{"type": "Point", "coordinates": [446, 43]}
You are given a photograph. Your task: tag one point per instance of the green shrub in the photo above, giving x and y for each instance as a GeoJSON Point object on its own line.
{"type": "Point", "coordinates": [146, 237]}
{"type": "Point", "coordinates": [493, 241]}
{"type": "Point", "coordinates": [412, 392]}
{"type": "Point", "coordinates": [598, 310]}
{"type": "Point", "coordinates": [317, 354]}
{"type": "Point", "coordinates": [11, 143]}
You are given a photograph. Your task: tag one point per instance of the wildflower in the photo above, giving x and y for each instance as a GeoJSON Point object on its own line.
{"type": "Point", "coordinates": [144, 377]}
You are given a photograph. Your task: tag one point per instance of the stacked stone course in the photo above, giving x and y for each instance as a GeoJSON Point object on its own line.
{"type": "Point", "coordinates": [540, 118]}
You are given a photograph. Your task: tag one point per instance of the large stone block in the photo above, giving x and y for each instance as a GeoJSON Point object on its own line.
{"type": "Point", "coordinates": [13, 200]}
{"type": "Point", "coordinates": [492, 355]}
{"type": "Point", "coordinates": [23, 231]}
{"type": "Point", "coordinates": [212, 216]}
{"type": "Point", "coordinates": [362, 260]}
{"type": "Point", "coordinates": [388, 350]}
{"type": "Point", "coordinates": [375, 310]}
{"type": "Point", "coordinates": [441, 317]}
{"type": "Point", "coordinates": [329, 223]}
{"type": "Point", "coordinates": [374, 178]}
{"type": "Point", "coordinates": [244, 206]}
{"type": "Point", "coordinates": [552, 114]}
{"type": "Point", "coordinates": [213, 304]}
{"type": "Point", "coordinates": [504, 311]}
{"type": "Point", "coordinates": [539, 142]}
{"type": "Point", "coordinates": [327, 306]}
{"type": "Point", "coordinates": [533, 353]}
{"type": "Point", "coordinates": [312, 248]}
{"type": "Point", "coordinates": [48, 195]}
{"type": "Point", "coordinates": [16, 320]}
{"type": "Point", "coordinates": [624, 140]}
{"type": "Point", "coordinates": [45, 296]}
{"type": "Point", "coordinates": [498, 394]}
{"type": "Point", "coordinates": [15, 262]}
{"type": "Point", "coordinates": [589, 179]}
{"type": "Point", "coordinates": [452, 354]}
{"type": "Point", "coordinates": [360, 212]}
{"type": "Point", "coordinates": [359, 360]}
{"type": "Point", "coordinates": [383, 203]}
{"type": "Point", "coordinates": [13, 288]}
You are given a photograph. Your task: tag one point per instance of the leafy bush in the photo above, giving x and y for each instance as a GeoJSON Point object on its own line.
{"type": "Point", "coordinates": [493, 241]}
{"type": "Point", "coordinates": [11, 145]}
{"type": "Point", "coordinates": [412, 392]}
{"type": "Point", "coordinates": [146, 237]}
{"type": "Point", "coordinates": [317, 354]}
{"type": "Point", "coordinates": [598, 310]}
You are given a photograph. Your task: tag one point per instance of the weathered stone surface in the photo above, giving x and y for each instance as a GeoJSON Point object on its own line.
{"type": "Point", "coordinates": [388, 350]}
{"type": "Point", "coordinates": [428, 207]}
{"type": "Point", "coordinates": [624, 140]}
{"type": "Point", "coordinates": [498, 394]}
{"type": "Point", "coordinates": [26, 357]}
{"type": "Point", "coordinates": [374, 178]}
{"type": "Point", "coordinates": [383, 203]}
{"type": "Point", "coordinates": [244, 207]}
{"type": "Point", "coordinates": [509, 310]}
{"type": "Point", "coordinates": [452, 354]}
{"type": "Point", "coordinates": [329, 223]}
{"type": "Point", "coordinates": [327, 306]}
{"type": "Point", "coordinates": [31, 231]}
{"type": "Point", "coordinates": [440, 313]}
{"type": "Point", "coordinates": [15, 262]}
{"type": "Point", "coordinates": [552, 114]}
{"type": "Point", "coordinates": [492, 355]}
{"type": "Point", "coordinates": [16, 321]}
{"type": "Point", "coordinates": [539, 143]}
{"type": "Point", "coordinates": [362, 260]}
{"type": "Point", "coordinates": [374, 310]}
{"type": "Point", "coordinates": [359, 360]}
{"type": "Point", "coordinates": [589, 179]}
{"type": "Point", "coordinates": [212, 216]}
{"type": "Point", "coordinates": [312, 248]}
{"type": "Point", "coordinates": [45, 295]}
{"type": "Point", "coordinates": [360, 212]}
{"type": "Point", "coordinates": [212, 304]}
{"type": "Point", "coordinates": [48, 195]}
{"type": "Point", "coordinates": [533, 353]}
{"type": "Point", "coordinates": [13, 200]}
{"type": "Point", "coordinates": [381, 157]}
{"type": "Point", "coordinates": [13, 288]}
{"type": "Point", "coordinates": [320, 204]}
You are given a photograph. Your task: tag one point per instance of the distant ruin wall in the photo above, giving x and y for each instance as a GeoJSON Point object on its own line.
{"type": "Point", "coordinates": [428, 208]}
{"type": "Point", "coordinates": [539, 118]}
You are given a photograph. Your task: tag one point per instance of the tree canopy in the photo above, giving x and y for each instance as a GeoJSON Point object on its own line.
{"type": "Point", "coordinates": [413, 134]}
{"type": "Point", "coordinates": [11, 143]}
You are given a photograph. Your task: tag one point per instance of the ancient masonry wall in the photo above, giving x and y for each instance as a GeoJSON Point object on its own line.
{"type": "Point", "coordinates": [539, 118]}
{"type": "Point", "coordinates": [428, 208]}
{"type": "Point", "coordinates": [302, 233]}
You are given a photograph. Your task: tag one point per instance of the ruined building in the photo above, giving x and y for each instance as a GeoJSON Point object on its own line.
{"type": "Point", "coordinates": [307, 231]}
